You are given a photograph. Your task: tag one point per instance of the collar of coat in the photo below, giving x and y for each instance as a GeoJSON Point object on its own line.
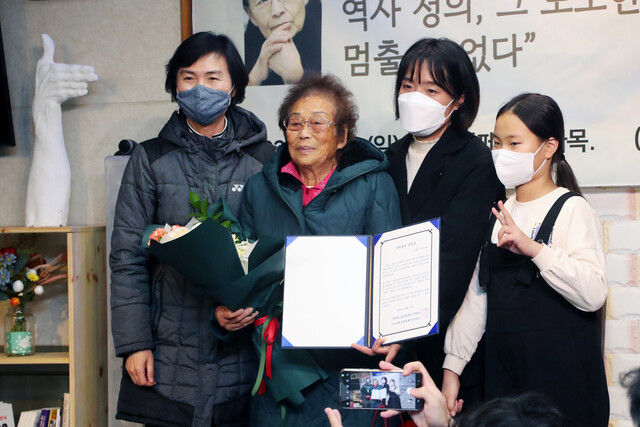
{"type": "Point", "coordinates": [451, 141]}
{"type": "Point", "coordinates": [359, 157]}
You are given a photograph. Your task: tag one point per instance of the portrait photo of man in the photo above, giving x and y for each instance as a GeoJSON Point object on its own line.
{"type": "Point", "coordinates": [282, 40]}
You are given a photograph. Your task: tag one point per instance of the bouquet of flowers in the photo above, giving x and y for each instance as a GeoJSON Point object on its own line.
{"type": "Point", "coordinates": [213, 255]}
{"type": "Point", "coordinates": [24, 274]}
{"type": "Point", "coordinates": [209, 251]}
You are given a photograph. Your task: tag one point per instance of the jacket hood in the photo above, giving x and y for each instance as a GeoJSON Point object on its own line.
{"type": "Point", "coordinates": [243, 129]}
{"type": "Point", "coordinates": [359, 157]}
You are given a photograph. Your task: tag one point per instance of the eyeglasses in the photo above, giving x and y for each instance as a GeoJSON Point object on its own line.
{"type": "Point", "coordinates": [316, 124]}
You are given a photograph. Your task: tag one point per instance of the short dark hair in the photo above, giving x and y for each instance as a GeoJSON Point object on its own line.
{"type": "Point", "coordinates": [631, 380]}
{"type": "Point", "coordinates": [451, 69]}
{"type": "Point", "coordinates": [543, 117]}
{"type": "Point", "coordinates": [345, 111]}
{"type": "Point", "coordinates": [203, 43]}
{"type": "Point", "coordinates": [527, 410]}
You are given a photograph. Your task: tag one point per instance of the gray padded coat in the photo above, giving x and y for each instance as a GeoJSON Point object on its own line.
{"type": "Point", "coordinates": [199, 378]}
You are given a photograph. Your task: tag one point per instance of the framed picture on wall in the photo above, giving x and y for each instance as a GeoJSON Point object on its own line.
{"type": "Point", "coordinates": [185, 18]}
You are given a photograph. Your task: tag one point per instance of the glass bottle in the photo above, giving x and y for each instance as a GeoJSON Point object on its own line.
{"type": "Point", "coordinates": [19, 332]}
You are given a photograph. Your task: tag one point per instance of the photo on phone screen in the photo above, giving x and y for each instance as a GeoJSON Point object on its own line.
{"type": "Point", "coordinates": [379, 390]}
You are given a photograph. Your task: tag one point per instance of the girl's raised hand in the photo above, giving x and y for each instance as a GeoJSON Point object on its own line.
{"type": "Point", "coordinates": [511, 237]}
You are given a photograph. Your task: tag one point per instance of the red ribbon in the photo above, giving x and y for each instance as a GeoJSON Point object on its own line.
{"type": "Point", "coordinates": [269, 336]}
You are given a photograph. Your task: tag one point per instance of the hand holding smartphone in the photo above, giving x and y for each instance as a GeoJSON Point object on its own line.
{"type": "Point", "coordinates": [379, 390]}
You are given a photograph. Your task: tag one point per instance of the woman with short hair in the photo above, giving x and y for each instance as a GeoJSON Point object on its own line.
{"type": "Point", "coordinates": [442, 170]}
{"type": "Point", "coordinates": [177, 373]}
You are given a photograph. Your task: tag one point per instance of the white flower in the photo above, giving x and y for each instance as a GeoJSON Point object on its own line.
{"type": "Point", "coordinates": [173, 232]}
{"type": "Point", "coordinates": [18, 286]}
{"type": "Point", "coordinates": [38, 290]}
{"type": "Point", "coordinates": [244, 249]}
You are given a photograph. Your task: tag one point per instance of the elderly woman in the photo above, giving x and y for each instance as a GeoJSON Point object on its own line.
{"type": "Point", "coordinates": [322, 181]}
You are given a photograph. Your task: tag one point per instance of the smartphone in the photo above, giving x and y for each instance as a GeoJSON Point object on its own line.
{"type": "Point", "coordinates": [379, 390]}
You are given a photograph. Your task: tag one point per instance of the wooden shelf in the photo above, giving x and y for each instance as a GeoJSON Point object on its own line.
{"type": "Point", "coordinates": [40, 230]}
{"type": "Point", "coordinates": [53, 358]}
{"type": "Point", "coordinates": [85, 359]}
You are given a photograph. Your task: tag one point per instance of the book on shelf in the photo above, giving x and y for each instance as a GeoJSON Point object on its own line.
{"type": "Point", "coordinates": [29, 418]}
{"type": "Point", "coordinates": [54, 417]}
{"type": "Point", "coordinates": [64, 422]}
{"type": "Point", "coordinates": [44, 418]}
{"type": "Point", "coordinates": [6, 415]}
{"type": "Point", "coordinates": [340, 290]}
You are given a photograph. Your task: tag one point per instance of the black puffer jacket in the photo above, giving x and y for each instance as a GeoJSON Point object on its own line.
{"type": "Point", "coordinates": [198, 377]}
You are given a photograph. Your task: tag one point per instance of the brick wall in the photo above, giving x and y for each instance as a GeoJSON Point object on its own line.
{"type": "Point", "coordinates": [619, 210]}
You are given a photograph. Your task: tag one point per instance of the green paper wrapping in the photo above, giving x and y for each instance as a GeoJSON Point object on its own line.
{"type": "Point", "coordinates": [208, 258]}
{"type": "Point", "coordinates": [292, 370]}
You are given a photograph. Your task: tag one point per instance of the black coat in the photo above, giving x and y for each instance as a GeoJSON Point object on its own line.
{"type": "Point", "coordinates": [456, 182]}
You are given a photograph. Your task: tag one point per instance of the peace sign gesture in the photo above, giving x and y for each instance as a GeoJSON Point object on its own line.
{"type": "Point", "coordinates": [511, 237]}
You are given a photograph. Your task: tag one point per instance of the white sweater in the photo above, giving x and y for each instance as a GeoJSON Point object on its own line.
{"type": "Point", "coordinates": [573, 265]}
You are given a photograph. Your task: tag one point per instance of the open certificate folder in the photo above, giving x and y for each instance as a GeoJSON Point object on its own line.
{"type": "Point", "coordinates": [340, 290]}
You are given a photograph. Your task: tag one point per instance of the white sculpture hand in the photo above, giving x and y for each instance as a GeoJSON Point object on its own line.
{"type": "Point", "coordinates": [49, 187]}
{"type": "Point", "coordinates": [59, 82]}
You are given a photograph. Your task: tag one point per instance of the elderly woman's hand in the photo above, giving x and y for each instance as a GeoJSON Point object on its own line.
{"type": "Point", "coordinates": [389, 351]}
{"type": "Point", "coordinates": [235, 320]}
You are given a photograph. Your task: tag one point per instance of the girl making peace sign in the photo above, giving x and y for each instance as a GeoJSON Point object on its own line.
{"type": "Point", "coordinates": [540, 277]}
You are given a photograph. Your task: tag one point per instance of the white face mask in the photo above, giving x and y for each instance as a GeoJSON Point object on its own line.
{"type": "Point", "coordinates": [421, 115]}
{"type": "Point", "coordinates": [515, 168]}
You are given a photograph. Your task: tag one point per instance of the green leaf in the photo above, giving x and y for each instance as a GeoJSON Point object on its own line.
{"type": "Point", "coordinates": [226, 224]}
{"type": "Point", "coordinates": [194, 199]}
{"type": "Point", "coordinates": [204, 207]}
{"type": "Point", "coordinates": [23, 258]}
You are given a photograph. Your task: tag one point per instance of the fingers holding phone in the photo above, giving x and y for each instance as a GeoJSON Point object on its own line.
{"type": "Point", "coordinates": [434, 412]}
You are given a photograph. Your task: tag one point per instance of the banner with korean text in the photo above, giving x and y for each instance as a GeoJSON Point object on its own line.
{"type": "Point", "coordinates": [583, 53]}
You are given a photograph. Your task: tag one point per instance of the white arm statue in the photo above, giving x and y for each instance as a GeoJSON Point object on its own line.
{"type": "Point", "coordinates": [49, 185]}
